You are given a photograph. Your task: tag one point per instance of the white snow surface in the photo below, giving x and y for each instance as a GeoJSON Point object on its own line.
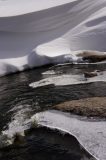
{"type": "Point", "coordinates": [34, 33]}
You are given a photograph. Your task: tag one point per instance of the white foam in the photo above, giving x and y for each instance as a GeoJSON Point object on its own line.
{"type": "Point", "coordinates": [35, 33]}
{"type": "Point", "coordinates": [18, 124]}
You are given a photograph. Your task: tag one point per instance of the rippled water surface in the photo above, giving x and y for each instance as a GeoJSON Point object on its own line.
{"type": "Point", "coordinates": [19, 102]}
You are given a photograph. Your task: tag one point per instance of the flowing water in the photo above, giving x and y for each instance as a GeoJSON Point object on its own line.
{"type": "Point", "coordinates": [19, 102]}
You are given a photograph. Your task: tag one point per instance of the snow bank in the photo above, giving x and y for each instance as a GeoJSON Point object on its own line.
{"type": "Point", "coordinates": [35, 33]}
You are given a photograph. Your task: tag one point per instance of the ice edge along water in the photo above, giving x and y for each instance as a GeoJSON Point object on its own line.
{"type": "Point", "coordinates": [70, 124]}
{"type": "Point", "coordinates": [74, 125]}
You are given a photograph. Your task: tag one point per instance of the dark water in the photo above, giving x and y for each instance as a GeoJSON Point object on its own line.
{"type": "Point", "coordinates": [16, 95]}
{"type": "Point", "coordinates": [45, 144]}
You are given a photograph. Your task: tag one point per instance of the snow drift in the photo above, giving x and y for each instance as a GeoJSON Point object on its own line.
{"type": "Point", "coordinates": [35, 33]}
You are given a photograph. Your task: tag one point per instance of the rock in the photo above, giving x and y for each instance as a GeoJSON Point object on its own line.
{"type": "Point", "coordinates": [19, 138]}
{"type": "Point", "coordinates": [91, 74]}
{"type": "Point", "coordinates": [92, 56]}
{"type": "Point", "coordinates": [95, 58]}
{"type": "Point", "coordinates": [95, 106]}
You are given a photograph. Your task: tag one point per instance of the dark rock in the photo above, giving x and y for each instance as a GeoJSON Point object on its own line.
{"type": "Point", "coordinates": [90, 74]}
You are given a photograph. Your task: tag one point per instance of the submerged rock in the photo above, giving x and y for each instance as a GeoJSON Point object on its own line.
{"type": "Point", "coordinates": [95, 106]}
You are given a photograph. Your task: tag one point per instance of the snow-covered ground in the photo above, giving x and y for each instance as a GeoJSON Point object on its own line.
{"type": "Point", "coordinates": [35, 33]}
